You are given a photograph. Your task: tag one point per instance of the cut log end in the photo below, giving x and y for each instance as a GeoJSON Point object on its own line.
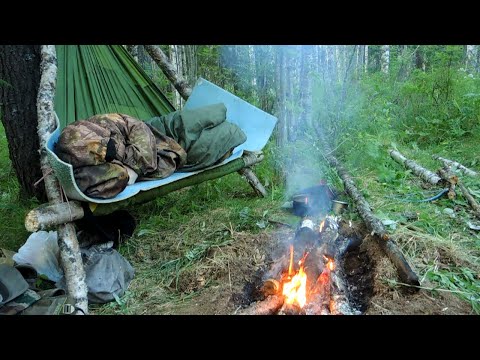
{"type": "Point", "coordinates": [31, 222]}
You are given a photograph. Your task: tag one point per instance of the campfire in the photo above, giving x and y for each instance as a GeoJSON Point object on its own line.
{"type": "Point", "coordinates": [307, 280]}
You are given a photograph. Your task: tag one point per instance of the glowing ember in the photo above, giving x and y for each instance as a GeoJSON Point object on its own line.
{"type": "Point", "coordinates": [322, 224]}
{"type": "Point", "coordinates": [330, 263]}
{"type": "Point", "coordinates": [295, 290]}
{"type": "Point", "coordinates": [290, 266]}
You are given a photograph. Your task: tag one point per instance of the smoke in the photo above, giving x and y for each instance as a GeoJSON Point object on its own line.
{"type": "Point", "coordinates": [312, 92]}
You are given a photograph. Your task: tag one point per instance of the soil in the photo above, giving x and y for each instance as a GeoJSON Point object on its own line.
{"type": "Point", "coordinates": [366, 271]}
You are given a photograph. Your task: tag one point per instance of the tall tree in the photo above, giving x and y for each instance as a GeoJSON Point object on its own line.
{"type": "Point", "coordinates": [19, 81]}
{"type": "Point", "coordinates": [385, 58]}
{"type": "Point", "coordinates": [470, 58]}
{"type": "Point", "coordinates": [365, 59]}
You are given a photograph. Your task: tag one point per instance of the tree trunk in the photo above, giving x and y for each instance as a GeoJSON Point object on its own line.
{"type": "Point", "coordinates": [280, 73]}
{"type": "Point", "coordinates": [385, 60]}
{"type": "Point", "coordinates": [305, 86]}
{"type": "Point", "coordinates": [174, 61]}
{"type": "Point", "coordinates": [365, 68]}
{"type": "Point", "coordinates": [168, 69]}
{"type": "Point", "coordinates": [19, 80]}
{"type": "Point", "coordinates": [470, 59]}
{"type": "Point", "coordinates": [419, 58]}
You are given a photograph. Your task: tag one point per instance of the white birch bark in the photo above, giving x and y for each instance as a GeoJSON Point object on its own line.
{"type": "Point", "coordinates": [365, 68]}
{"type": "Point", "coordinates": [385, 60]}
{"type": "Point", "coordinates": [70, 256]}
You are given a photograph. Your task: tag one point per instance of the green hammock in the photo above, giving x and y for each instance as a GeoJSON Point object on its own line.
{"type": "Point", "coordinates": [98, 79]}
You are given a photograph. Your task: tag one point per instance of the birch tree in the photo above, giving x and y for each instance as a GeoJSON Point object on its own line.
{"type": "Point", "coordinates": [385, 59]}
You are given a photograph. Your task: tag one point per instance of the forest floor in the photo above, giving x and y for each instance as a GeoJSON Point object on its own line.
{"type": "Point", "coordinates": [201, 250]}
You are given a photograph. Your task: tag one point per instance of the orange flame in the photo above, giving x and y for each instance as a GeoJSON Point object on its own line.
{"type": "Point", "coordinates": [331, 265]}
{"type": "Point", "coordinates": [322, 224]}
{"type": "Point", "coordinates": [290, 266]}
{"type": "Point", "coordinates": [295, 290]}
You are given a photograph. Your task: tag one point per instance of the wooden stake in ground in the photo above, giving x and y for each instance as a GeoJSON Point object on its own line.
{"type": "Point", "coordinates": [405, 272]}
{"type": "Point", "coordinates": [70, 256]}
{"type": "Point", "coordinates": [453, 164]}
{"type": "Point", "coordinates": [421, 172]}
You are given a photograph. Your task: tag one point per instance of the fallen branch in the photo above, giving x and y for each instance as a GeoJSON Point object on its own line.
{"type": "Point", "coordinates": [421, 172]}
{"type": "Point", "coordinates": [450, 163]}
{"type": "Point", "coordinates": [374, 224]}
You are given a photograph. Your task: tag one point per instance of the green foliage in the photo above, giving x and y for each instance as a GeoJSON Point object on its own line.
{"type": "Point", "coordinates": [462, 281]}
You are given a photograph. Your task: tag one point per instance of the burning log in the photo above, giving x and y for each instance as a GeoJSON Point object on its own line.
{"type": "Point", "coordinates": [270, 306]}
{"type": "Point", "coordinates": [449, 163]}
{"type": "Point", "coordinates": [421, 172]}
{"type": "Point", "coordinates": [405, 272]}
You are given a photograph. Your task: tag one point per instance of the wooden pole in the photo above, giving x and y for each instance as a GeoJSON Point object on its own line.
{"type": "Point", "coordinates": [405, 272]}
{"type": "Point", "coordinates": [70, 256]}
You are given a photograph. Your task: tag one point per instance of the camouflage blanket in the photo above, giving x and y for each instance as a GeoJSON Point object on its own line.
{"type": "Point", "coordinates": [104, 148]}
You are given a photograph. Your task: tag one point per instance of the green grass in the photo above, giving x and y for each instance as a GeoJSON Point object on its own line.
{"type": "Point", "coordinates": [191, 235]}
{"type": "Point", "coordinates": [12, 210]}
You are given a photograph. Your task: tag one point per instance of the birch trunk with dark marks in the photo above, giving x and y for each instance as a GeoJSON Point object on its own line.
{"type": "Point", "coordinates": [421, 172]}
{"type": "Point", "coordinates": [168, 69]}
{"type": "Point", "coordinates": [46, 216]}
{"type": "Point", "coordinates": [388, 245]}
{"type": "Point", "coordinates": [456, 165]}
{"type": "Point", "coordinates": [70, 256]}
{"type": "Point", "coordinates": [19, 79]}
{"type": "Point", "coordinates": [385, 59]}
